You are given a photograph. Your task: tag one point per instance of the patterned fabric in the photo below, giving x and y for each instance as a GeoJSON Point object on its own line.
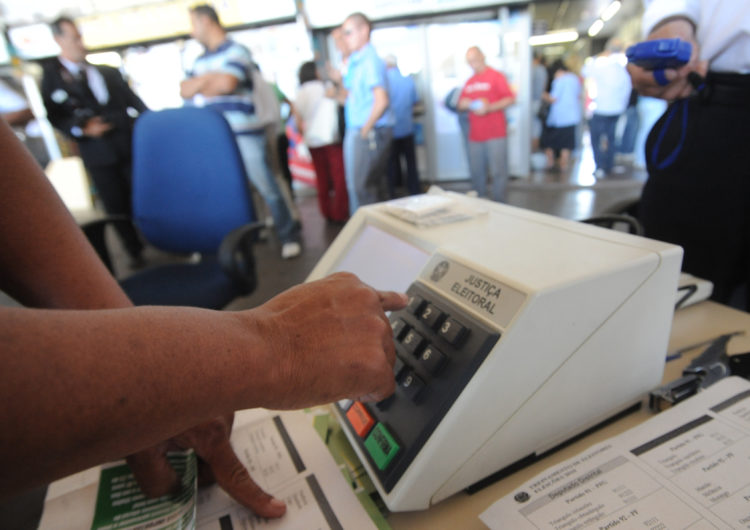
{"type": "Point", "coordinates": [234, 59]}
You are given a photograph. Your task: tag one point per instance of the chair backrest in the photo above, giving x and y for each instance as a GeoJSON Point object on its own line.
{"type": "Point", "coordinates": [190, 188]}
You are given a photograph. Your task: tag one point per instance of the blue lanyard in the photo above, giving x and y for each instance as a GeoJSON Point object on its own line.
{"type": "Point", "coordinates": [678, 106]}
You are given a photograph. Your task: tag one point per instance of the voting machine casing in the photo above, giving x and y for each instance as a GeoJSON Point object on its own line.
{"type": "Point", "coordinates": [522, 331]}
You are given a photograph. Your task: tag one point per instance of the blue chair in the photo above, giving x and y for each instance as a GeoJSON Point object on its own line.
{"type": "Point", "coordinates": [190, 194]}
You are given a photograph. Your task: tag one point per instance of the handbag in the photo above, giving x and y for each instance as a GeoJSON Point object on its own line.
{"type": "Point", "coordinates": [323, 127]}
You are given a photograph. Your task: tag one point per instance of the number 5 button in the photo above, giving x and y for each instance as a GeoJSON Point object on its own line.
{"type": "Point", "coordinates": [412, 341]}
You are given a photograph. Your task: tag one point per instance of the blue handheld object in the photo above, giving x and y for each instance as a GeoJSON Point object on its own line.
{"type": "Point", "coordinates": [660, 78]}
{"type": "Point", "coordinates": [660, 54]}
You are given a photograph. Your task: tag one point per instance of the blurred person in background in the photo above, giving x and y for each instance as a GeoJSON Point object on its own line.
{"type": "Point", "coordinates": [221, 80]}
{"type": "Point", "coordinates": [539, 81]}
{"type": "Point", "coordinates": [404, 103]}
{"type": "Point", "coordinates": [317, 119]}
{"type": "Point", "coordinates": [626, 142]}
{"type": "Point", "coordinates": [609, 87]}
{"type": "Point", "coordinates": [565, 113]}
{"type": "Point", "coordinates": [485, 96]}
{"type": "Point", "coordinates": [369, 119]}
{"type": "Point", "coordinates": [94, 106]}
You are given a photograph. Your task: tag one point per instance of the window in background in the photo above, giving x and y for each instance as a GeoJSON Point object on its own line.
{"type": "Point", "coordinates": [155, 72]}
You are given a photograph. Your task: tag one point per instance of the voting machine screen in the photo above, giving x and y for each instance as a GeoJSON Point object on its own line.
{"type": "Point", "coordinates": [522, 331]}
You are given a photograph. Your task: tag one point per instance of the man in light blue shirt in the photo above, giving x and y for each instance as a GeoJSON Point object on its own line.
{"type": "Point", "coordinates": [403, 97]}
{"type": "Point", "coordinates": [220, 79]}
{"type": "Point", "coordinates": [369, 120]}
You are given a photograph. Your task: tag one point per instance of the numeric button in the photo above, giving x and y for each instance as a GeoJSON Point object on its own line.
{"type": "Point", "coordinates": [432, 359]}
{"type": "Point", "coordinates": [399, 328]}
{"type": "Point", "coordinates": [453, 331]}
{"type": "Point", "coordinates": [411, 385]}
{"type": "Point", "coordinates": [431, 315]}
{"type": "Point", "coordinates": [413, 342]}
{"type": "Point", "coordinates": [415, 304]}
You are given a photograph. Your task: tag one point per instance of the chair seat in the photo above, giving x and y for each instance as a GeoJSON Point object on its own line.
{"type": "Point", "coordinates": [202, 284]}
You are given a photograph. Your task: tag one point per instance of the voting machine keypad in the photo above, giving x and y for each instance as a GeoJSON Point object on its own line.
{"type": "Point", "coordinates": [439, 347]}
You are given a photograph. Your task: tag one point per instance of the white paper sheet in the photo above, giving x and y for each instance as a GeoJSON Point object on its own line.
{"type": "Point", "coordinates": [688, 467]}
{"type": "Point", "coordinates": [285, 456]}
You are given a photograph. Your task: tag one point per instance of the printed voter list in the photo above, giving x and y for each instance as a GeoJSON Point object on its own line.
{"type": "Point", "coordinates": [688, 467]}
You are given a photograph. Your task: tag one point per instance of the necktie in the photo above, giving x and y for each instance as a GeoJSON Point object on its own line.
{"type": "Point", "coordinates": [83, 83]}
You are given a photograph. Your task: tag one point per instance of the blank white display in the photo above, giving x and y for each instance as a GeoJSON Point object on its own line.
{"type": "Point", "coordinates": [382, 260]}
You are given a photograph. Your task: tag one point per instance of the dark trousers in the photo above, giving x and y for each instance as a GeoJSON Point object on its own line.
{"type": "Point", "coordinates": [282, 143]}
{"type": "Point", "coordinates": [112, 183]}
{"type": "Point", "coordinates": [331, 181]}
{"type": "Point", "coordinates": [702, 200]}
{"type": "Point", "coordinates": [403, 148]}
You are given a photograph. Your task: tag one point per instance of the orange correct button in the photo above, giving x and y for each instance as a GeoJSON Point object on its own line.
{"type": "Point", "coordinates": [360, 419]}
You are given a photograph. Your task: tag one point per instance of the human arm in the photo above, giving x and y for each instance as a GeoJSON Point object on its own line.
{"type": "Point", "coordinates": [87, 385]}
{"type": "Point", "coordinates": [210, 84]}
{"type": "Point", "coordinates": [379, 105]}
{"type": "Point", "coordinates": [168, 369]}
{"type": "Point", "coordinates": [495, 106]}
{"type": "Point", "coordinates": [18, 117]}
{"type": "Point", "coordinates": [338, 91]}
{"type": "Point", "coordinates": [679, 85]}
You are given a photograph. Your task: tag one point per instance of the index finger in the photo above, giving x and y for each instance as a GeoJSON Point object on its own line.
{"type": "Point", "coordinates": [392, 301]}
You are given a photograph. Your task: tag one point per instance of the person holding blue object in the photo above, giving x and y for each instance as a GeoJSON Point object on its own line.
{"type": "Point", "coordinates": [404, 100]}
{"type": "Point", "coordinates": [369, 119]}
{"type": "Point", "coordinates": [565, 113]}
{"type": "Point", "coordinates": [221, 79]}
{"type": "Point", "coordinates": [698, 191]}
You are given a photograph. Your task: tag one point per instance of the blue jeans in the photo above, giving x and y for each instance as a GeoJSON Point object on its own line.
{"type": "Point", "coordinates": [490, 155]}
{"type": "Point", "coordinates": [629, 133]}
{"type": "Point", "coordinates": [603, 127]}
{"type": "Point", "coordinates": [253, 150]}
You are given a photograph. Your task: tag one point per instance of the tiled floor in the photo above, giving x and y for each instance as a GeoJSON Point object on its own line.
{"type": "Point", "coordinates": [574, 194]}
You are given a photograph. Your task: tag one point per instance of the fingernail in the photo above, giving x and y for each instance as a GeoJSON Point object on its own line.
{"type": "Point", "coordinates": [277, 504]}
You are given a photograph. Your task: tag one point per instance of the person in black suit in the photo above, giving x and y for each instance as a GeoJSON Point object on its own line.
{"type": "Point", "coordinates": [94, 106]}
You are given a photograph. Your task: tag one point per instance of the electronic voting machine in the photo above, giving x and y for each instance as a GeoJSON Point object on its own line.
{"type": "Point", "coordinates": [522, 331]}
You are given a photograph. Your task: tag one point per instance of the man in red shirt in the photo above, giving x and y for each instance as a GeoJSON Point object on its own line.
{"type": "Point", "coordinates": [485, 95]}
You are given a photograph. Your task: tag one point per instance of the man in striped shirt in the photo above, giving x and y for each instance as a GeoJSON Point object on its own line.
{"type": "Point", "coordinates": [220, 79]}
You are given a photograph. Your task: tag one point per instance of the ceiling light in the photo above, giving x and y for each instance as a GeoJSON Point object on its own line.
{"type": "Point", "coordinates": [611, 10]}
{"type": "Point", "coordinates": [554, 37]}
{"type": "Point", "coordinates": [596, 27]}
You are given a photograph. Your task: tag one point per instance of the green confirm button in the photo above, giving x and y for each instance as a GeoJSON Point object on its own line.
{"type": "Point", "coordinates": [381, 446]}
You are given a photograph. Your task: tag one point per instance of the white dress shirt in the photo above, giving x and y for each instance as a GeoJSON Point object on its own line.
{"type": "Point", "coordinates": [722, 29]}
